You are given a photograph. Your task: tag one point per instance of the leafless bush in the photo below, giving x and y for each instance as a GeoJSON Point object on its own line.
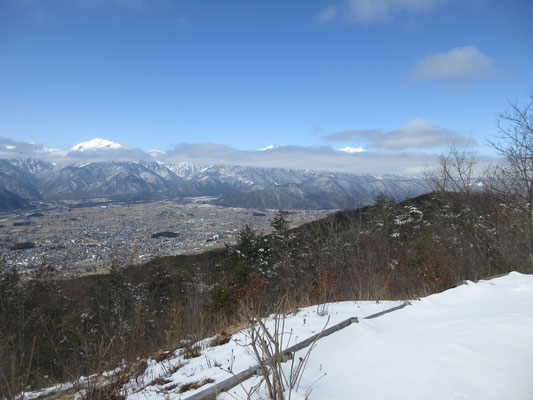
{"type": "Point", "coordinates": [514, 178]}
{"type": "Point", "coordinates": [268, 346]}
{"type": "Point", "coordinates": [457, 171]}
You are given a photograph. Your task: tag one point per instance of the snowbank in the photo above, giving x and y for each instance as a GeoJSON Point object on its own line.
{"type": "Point", "coordinates": [471, 342]}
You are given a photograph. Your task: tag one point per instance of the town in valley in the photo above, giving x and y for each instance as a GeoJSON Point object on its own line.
{"type": "Point", "coordinates": [77, 238]}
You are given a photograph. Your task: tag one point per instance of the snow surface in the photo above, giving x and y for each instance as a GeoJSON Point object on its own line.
{"type": "Point", "coordinates": [216, 362]}
{"type": "Point", "coordinates": [352, 150]}
{"type": "Point", "coordinates": [471, 342]}
{"type": "Point", "coordinates": [271, 147]}
{"type": "Point", "coordinates": [96, 144]}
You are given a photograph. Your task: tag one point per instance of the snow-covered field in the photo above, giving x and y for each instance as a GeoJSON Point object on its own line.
{"type": "Point", "coordinates": [471, 342]}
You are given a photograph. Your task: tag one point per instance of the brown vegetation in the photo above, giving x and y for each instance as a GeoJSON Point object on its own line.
{"type": "Point", "coordinates": [194, 385]}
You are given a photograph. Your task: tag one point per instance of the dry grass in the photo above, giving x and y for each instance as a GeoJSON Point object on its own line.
{"type": "Point", "coordinates": [171, 387]}
{"type": "Point", "coordinates": [175, 368]}
{"type": "Point", "coordinates": [195, 385]}
{"type": "Point", "coordinates": [161, 356]}
{"type": "Point", "coordinates": [110, 391]}
{"type": "Point", "coordinates": [237, 326]}
{"type": "Point", "coordinates": [222, 338]}
{"type": "Point", "coordinates": [192, 351]}
{"type": "Point", "coordinates": [159, 382]}
{"type": "Point", "coordinates": [138, 368]}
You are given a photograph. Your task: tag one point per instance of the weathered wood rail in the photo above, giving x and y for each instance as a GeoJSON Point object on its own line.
{"type": "Point", "coordinates": [211, 392]}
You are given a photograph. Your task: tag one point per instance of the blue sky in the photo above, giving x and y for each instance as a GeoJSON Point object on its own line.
{"type": "Point", "coordinates": [393, 76]}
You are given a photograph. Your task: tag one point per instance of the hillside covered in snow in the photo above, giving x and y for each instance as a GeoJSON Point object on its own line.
{"type": "Point", "coordinates": [470, 342]}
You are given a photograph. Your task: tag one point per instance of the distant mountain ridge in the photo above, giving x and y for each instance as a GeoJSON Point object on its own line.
{"type": "Point", "coordinates": [239, 186]}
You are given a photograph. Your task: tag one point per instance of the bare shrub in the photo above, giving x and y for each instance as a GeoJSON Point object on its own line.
{"type": "Point", "coordinates": [268, 346]}
{"type": "Point", "coordinates": [514, 178]}
{"type": "Point", "coordinates": [457, 171]}
{"type": "Point", "coordinates": [99, 389]}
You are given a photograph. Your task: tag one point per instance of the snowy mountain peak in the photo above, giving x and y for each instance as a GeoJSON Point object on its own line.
{"type": "Point", "coordinates": [349, 149]}
{"type": "Point", "coordinates": [271, 147]}
{"type": "Point", "coordinates": [96, 144]}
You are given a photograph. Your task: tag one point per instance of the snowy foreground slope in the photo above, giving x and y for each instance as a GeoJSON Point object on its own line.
{"type": "Point", "coordinates": [471, 342]}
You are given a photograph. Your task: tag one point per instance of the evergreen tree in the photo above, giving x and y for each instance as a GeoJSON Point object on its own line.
{"type": "Point", "coordinates": [281, 223]}
{"type": "Point", "coordinates": [247, 244]}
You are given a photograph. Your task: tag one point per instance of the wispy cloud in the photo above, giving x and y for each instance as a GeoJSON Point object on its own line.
{"type": "Point", "coordinates": [417, 133]}
{"type": "Point", "coordinates": [315, 158]}
{"type": "Point", "coordinates": [370, 11]}
{"type": "Point", "coordinates": [345, 136]}
{"type": "Point", "coordinates": [393, 152]}
{"type": "Point", "coordinates": [328, 14]}
{"type": "Point", "coordinates": [459, 65]}
{"type": "Point", "coordinates": [10, 148]}
{"type": "Point", "coordinates": [295, 157]}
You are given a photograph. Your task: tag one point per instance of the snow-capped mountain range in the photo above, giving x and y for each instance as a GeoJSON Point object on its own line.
{"type": "Point", "coordinates": [23, 180]}
{"type": "Point", "coordinates": [26, 180]}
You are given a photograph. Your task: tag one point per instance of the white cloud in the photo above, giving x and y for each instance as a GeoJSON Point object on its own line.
{"type": "Point", "coordinates": [368, 11]}
{"type": "Point", "coordinates": [460, 64]}
{"type": "Point", "coordinates": [345, 136]}
{"type": "Point", "coordinates": [417, 133]}
{"type": "Point", "coordinates": [10, 148]}
{"type": "Point", "coordinates": [156, 153]}
{"type": "Point", "coordinates": [297, 157]}
{"type": "Point", "coordinates": [324, 158]}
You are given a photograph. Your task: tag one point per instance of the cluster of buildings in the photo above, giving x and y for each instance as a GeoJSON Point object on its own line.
{"type": "Point", "coordinates": [79, 240]}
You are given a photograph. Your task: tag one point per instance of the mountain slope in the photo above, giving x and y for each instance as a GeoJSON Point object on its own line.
{"type": "Point", "coordinates": [18, 181]}
{"type": "Point", "coordinates": [327, 192]}
{"type": "Point", "coordinates": [235, 185]}
{"type": "Point", "coordinates": [119, 181]}
{"type": "Point", "coordinates": [10, 201]}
